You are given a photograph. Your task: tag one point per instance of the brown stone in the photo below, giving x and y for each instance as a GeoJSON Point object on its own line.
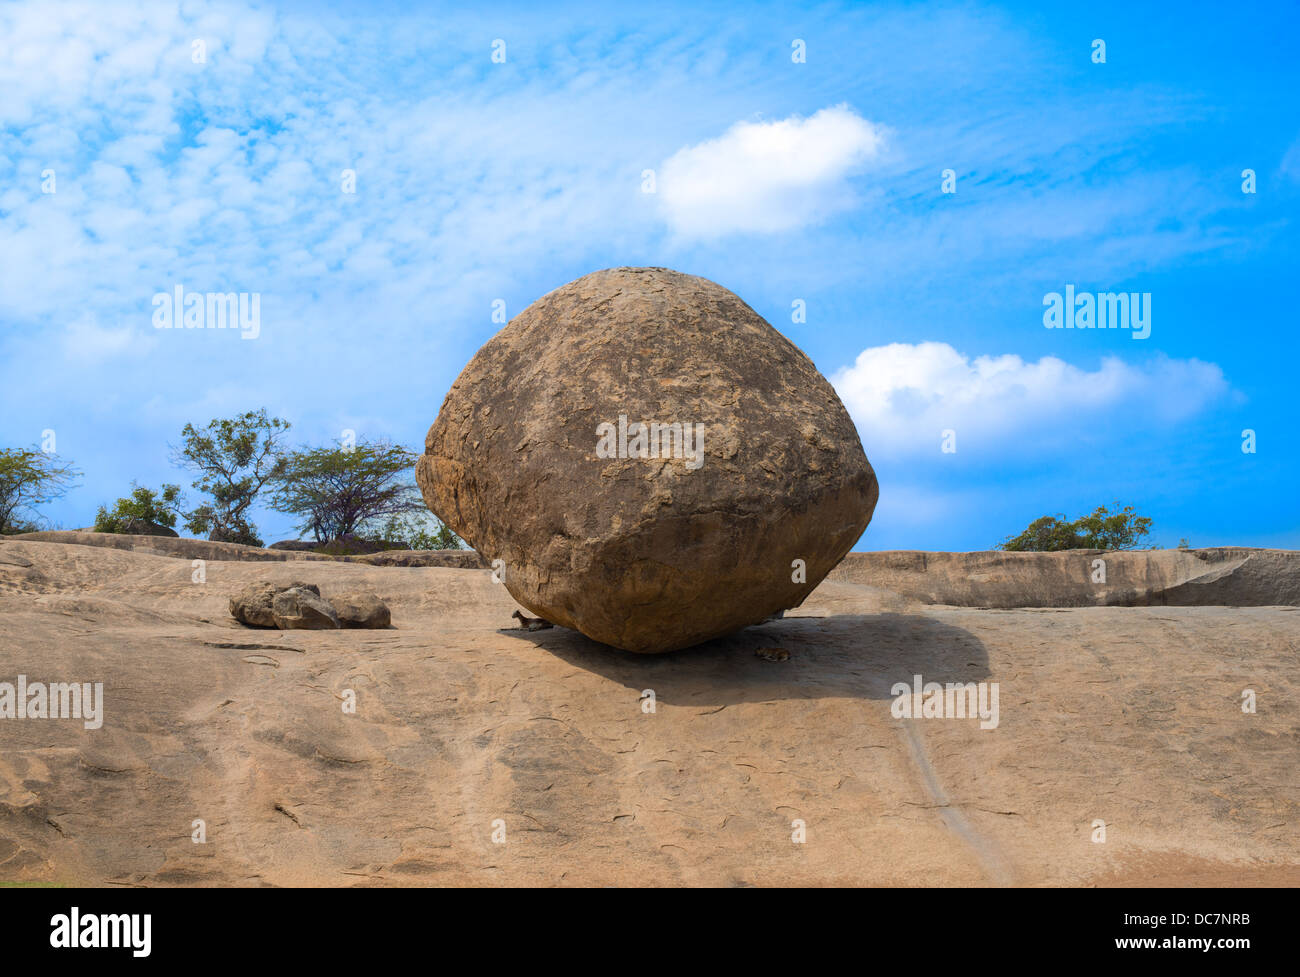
{"type": "Point", "coordinates": [651, 553]}
{"type": "Point", "coordinates": [256, 607]}
{"type": "Point", "coordinates": [142, 527]}
{"type": "Point", "coordinates": [361, 609]}
{"type": "Point", "coordinates": [302, 608]}
{"type": "Point", "coordinates": [252, 605]}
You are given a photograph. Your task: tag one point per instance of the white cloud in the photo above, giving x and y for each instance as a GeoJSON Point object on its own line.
{"type": "Point", "coordinates": [902, 396]}
{"type": "Point", "coordinates": [767, 176]}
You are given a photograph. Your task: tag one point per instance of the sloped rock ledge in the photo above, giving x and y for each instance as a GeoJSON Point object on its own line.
{"type": "Point", "coordinates": [202, 549]}
{"type": "Point", "coordinates": [1227, 576]}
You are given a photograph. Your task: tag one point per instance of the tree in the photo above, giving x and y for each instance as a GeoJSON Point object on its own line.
{"type": "Point", "coordinates": [144, 505]}
{"type": "Point", "coordinates": [30, 478]}
{"type": "Point", "coordinates": [338, 491]}
{"type": "Point", "coordinates": [421, 531]}
{"type": "Point", "coordinates": [234, 459]}
{"type": "Point", "coordinates": [1102, 529]}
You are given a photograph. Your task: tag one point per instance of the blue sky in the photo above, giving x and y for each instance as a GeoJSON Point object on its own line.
{"type": "Point", "coordinates": [817, 181]}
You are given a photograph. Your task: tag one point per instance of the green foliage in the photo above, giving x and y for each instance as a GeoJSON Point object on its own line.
{"type": "Point", "coordinates": [421, 531]}
{"type": "Point", "coordinates": [342, 491]}
{"type": "Point", "coordinates": [159, 508]}
{"type": "Point", "coordinates": [234, 459]}
{"type": "Point", "coordinates": [30, 478]}
{"type": "Point", "coordinates": [443, 539]}
{"type": "Point", "coordinates": [1122, 529]}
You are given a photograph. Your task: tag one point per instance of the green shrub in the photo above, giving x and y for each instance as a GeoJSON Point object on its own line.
{"type": "Point", "coordinates": [1122, 529]}
{"type": "Point", "coordinates": [421, 531]}
{"type": "Point", "coordinates": [158, 508]}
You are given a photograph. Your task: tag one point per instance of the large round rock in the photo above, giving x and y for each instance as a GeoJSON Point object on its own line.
{"type": "Point", "coordinates": [744, 488]}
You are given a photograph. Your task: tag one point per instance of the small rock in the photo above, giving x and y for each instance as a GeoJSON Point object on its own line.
{"type": "Point", "coordinates": [361, 609]}
{"type": "Point", "coordinates": [254, 605]}
{"type": "Point", "coordinates": [301, 608]}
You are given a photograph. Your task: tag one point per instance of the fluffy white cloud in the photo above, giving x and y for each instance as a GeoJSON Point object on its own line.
{"type": "Point", "coordinates": [903, 396]}
{"type": "Point", "coordinates": [767, 176]}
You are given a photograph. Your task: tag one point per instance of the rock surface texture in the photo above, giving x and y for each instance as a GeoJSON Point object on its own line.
{"type": "Point", "coordinates": [141, 527]}
{"type": "Point", "coordinates": [657, 538]}
{"type": "Point", "coordinates": [361, 609]}
{"type": "Point", "coordinates": [206, 549]}
{"type": "Point", "coordinates": [252, 605]}
{"type": "Point", "coordinates": [1227, 576]}
{"type": "Point", "coordinates": [1128, 714]}
{"type": "Point", "coordinates": [299, 607]}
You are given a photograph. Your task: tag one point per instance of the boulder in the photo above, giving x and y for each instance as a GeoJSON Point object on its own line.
{"type": "Point", "coordinates": [282, 606]}
{"type": "Point", "coordinates": [350, 545]}
{"type": "Point", "coordinates": [252, 605]}
{"type": "Point", "coordinates": [136, 526]}
{"type": "Point", "coordinates": [457, 559]}
{"type": "Point", "coordinates": [347, 545]}
{"type": "Point", "coordinates": [360, 609]}
{"type": "Point", "coordinates": [300, 608]}
{"type": "Point", "coordinates": [650, 459]}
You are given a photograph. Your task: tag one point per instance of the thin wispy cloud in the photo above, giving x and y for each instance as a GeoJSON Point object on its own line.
{"type": "Point", "coordinates": [478, 181]}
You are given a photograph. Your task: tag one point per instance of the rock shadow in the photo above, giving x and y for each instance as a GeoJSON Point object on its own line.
{"type": "Point", "coordinates": [843, 655]}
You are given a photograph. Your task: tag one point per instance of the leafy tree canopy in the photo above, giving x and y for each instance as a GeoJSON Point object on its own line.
{"type": "Point", "coordinates": [1122, 529]}
{"type": "Point", "coordinates": [160, 508]}
{"type": "Point", "coordinates": [234, 459]}
{"type": "Point", "coordinates": [421, 531]}
{"type": "Point", "coordinates": [340, 491]}
{"type": "Point", "coordinates": [30, 478]}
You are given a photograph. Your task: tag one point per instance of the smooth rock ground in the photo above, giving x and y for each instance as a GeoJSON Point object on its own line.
{"type": "Point", "coordinates": [1127, 714]}
{"type": "Point", "coordinates": [540, 458]}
